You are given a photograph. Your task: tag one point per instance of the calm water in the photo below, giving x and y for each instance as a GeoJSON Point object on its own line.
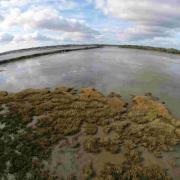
{"type": "Point", "coordinates": [125, 71]}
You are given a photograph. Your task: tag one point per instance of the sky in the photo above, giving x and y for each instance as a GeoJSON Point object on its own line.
{"type": "Point", "coordinates": [31, 23]}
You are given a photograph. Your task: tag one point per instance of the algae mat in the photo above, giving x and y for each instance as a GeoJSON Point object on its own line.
{"type": "Point", "coordinates": [67, 133]}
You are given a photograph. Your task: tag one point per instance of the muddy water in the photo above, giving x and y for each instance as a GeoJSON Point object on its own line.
{"type": "Point", "coordinates": [126, 71]}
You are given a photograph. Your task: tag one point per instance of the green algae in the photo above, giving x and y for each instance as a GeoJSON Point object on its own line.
{"type": "Point", "coordinates": [16, 152]}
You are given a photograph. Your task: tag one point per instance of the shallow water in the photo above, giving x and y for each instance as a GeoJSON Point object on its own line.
{"type": "Point", "coordinates": [126, 71]}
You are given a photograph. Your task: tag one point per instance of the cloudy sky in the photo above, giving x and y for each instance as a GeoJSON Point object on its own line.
{"type": "Point", "coordinates": [30, 23]}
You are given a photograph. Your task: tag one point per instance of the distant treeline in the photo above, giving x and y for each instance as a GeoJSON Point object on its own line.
{"type": "Point", "coordinates": [167, 50]}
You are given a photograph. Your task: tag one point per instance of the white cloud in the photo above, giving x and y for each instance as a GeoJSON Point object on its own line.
{"type": "Point", "coordinates": [1, 18]}
{"type": "Point", "coordinates": [149, 18]}
{"type": "Point", "coordinates": [5, 37]}
{"type": "Point", "coordinates": [65, 4]}
{"type": "Point", "coordinates": [76, 36]}
{"type": "Point", "coordinates": [36, 39]}
{"type": "Point", "coordinates": [58, 4]}
{"type": "Point", "coordinates": [32, 37]}
{"type": "Point", "coordinates": [45, 21]}
{"type": "Point", "coordinates": [141, 32]}
{"type": "Point", "coordinates": [13, 3]}
{"type": "Point", "coordinates": [45, 18]}
{"type": "Point", "coordinates": [44, 24]}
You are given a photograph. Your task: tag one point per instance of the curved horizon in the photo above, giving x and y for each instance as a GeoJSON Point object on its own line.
{"type": "Point", "coordinates": [61, 45]}
{"type": "Point", "coordinates": [26, 24]}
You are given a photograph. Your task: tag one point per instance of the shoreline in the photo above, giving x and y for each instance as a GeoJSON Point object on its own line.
{"type": "Point", "coordinates": [68, 48]}
{"type": "Point", "coordinates": [5, 61]}
{"type": "Point", "coordinates": [150, 48]}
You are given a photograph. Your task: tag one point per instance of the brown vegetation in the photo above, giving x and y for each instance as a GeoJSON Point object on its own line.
{"type": "Point", "coordinates": [107, 123]}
